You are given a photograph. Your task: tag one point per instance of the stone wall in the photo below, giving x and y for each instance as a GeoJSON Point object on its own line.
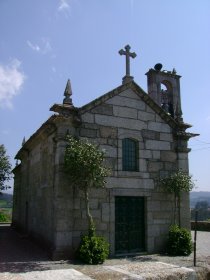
{"type": "Point", "coordinates": [33, 208]}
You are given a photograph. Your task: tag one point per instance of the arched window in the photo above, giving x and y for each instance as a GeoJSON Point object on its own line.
{"type": "Point", "coordinates": [167, 97]}
{"type": "Point", "coordinates": [129, 155]}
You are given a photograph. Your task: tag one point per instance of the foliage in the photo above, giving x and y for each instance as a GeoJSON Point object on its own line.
{"type": "Point", "coordinates": [179, 241]}
{"type": "Point", "coordinates": [93, 249]}
{"type": "Point", "coordinates": [5, 216]}
{"type": "Point", "coordinates": [202, 209]}
{"type": "Point", "coordinates": [5, 168]}
{"type": "Point", "coordinates": [196, 196]}
{"type": "Point", "coordinates": [83, 163]}
{"type": "Point", "coordinates": [177, 183]}
{"type": "Point", "coordinates": [202, 205]}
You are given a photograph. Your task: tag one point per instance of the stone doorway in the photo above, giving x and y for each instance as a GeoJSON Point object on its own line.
{"type": "Point", "coordinates": [129, 224]}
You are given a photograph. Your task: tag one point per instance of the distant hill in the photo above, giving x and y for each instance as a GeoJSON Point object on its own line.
{"type": "Point", "coordinates": [199, 196]}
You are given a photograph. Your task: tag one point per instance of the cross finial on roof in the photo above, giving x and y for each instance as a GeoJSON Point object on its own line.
{"type": "Point", "coordinates": [127, 54]}
{"type": "Point", "coordinates": [67, 93]}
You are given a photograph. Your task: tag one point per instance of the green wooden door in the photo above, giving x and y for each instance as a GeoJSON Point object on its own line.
{"type": "Point", "coordinates": [129, 224]}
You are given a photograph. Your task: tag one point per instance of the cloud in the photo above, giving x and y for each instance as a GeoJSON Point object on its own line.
{"type": "Point", "coordinates": [43, 48]}
{"type": "Point", "coordinates": [11, 82]}
{"type": "Point", "coordinates": [63, 5]}
{"type": "Point", "coordinates": [33, 47]}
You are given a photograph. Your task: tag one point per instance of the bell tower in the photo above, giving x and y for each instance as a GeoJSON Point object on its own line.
{"type": "Point", "coordinates": [164, 89]}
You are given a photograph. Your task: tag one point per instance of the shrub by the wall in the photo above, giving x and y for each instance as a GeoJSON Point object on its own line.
{"type": "Point", "coordinates": [3, 217]}
{"type": "Point", "coordinates": [179, 241]}
{"type": "Point", "coordinates": [93, 249]}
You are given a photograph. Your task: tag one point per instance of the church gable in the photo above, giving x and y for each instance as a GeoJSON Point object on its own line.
{"type": "Point", "coordinates": [125, 110]}
{"type": "Point", "coordinates": [131, 102]}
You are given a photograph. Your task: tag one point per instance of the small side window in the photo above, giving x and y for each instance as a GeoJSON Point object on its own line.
{"type": "Point", "coordinates": [129, 155]}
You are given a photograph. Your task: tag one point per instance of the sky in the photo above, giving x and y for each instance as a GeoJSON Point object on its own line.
{"type": "Point", "coordinates": [44, 43]}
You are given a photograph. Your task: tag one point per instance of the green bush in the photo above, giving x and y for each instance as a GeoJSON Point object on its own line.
{"type": "Point", "coordinates": [93, 249]}
{"type": "Point", "coordinates": [179, 241]}
{"type": "Point", "coordinates": [3, 218]}
{"type": "Point", "coordinates": [5, 215]}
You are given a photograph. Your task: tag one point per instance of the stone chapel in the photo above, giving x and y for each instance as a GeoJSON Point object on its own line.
{"type": "Point", "coordinates": [144, 137]}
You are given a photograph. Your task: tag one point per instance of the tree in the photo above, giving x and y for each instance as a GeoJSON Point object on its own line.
{"type": "Point", "coordinates": [84, 165]}
{"type": "Point", "coordinates": [203, 204]}
{"type": "Point", "coordinates": [202, 208]}
{"type": "Point", "coordinates": [5, 168]}
{"type": "Point", "coordinates": [177, 183]}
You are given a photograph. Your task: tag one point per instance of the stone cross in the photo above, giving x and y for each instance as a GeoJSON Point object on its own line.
{"type": "Point", "coordinates": [127, 54]}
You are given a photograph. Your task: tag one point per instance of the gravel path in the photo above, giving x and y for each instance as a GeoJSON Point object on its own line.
{"type": "Point", "coordinates": [21, 259]}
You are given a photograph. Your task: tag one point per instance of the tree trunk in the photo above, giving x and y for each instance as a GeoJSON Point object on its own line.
{"type": "Point", "coordinates": [89, 216]}
{"type": "Point", "coordinates": [175, 210]}
{"type": "Point", "coordinates": [179, 209]}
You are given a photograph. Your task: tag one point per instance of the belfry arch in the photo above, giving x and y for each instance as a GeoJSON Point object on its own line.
{"type": "Point", "coordinates": [164, 89]}
{"type": "Point", "coordinates": [166, 97]}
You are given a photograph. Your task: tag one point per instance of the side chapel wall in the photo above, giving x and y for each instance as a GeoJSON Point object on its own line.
{"type": "Point", "coordinates": [33, 208]}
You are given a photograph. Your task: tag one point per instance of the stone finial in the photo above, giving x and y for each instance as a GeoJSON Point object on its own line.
{"type": "Point", "coordinates": [174, 71]}
{"type": "Point", "coordinates": [127, 54]}
{"type": "Point", "coordinates": [67, 93]}
{"type": "Point", "coordinates": [24, 140]}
